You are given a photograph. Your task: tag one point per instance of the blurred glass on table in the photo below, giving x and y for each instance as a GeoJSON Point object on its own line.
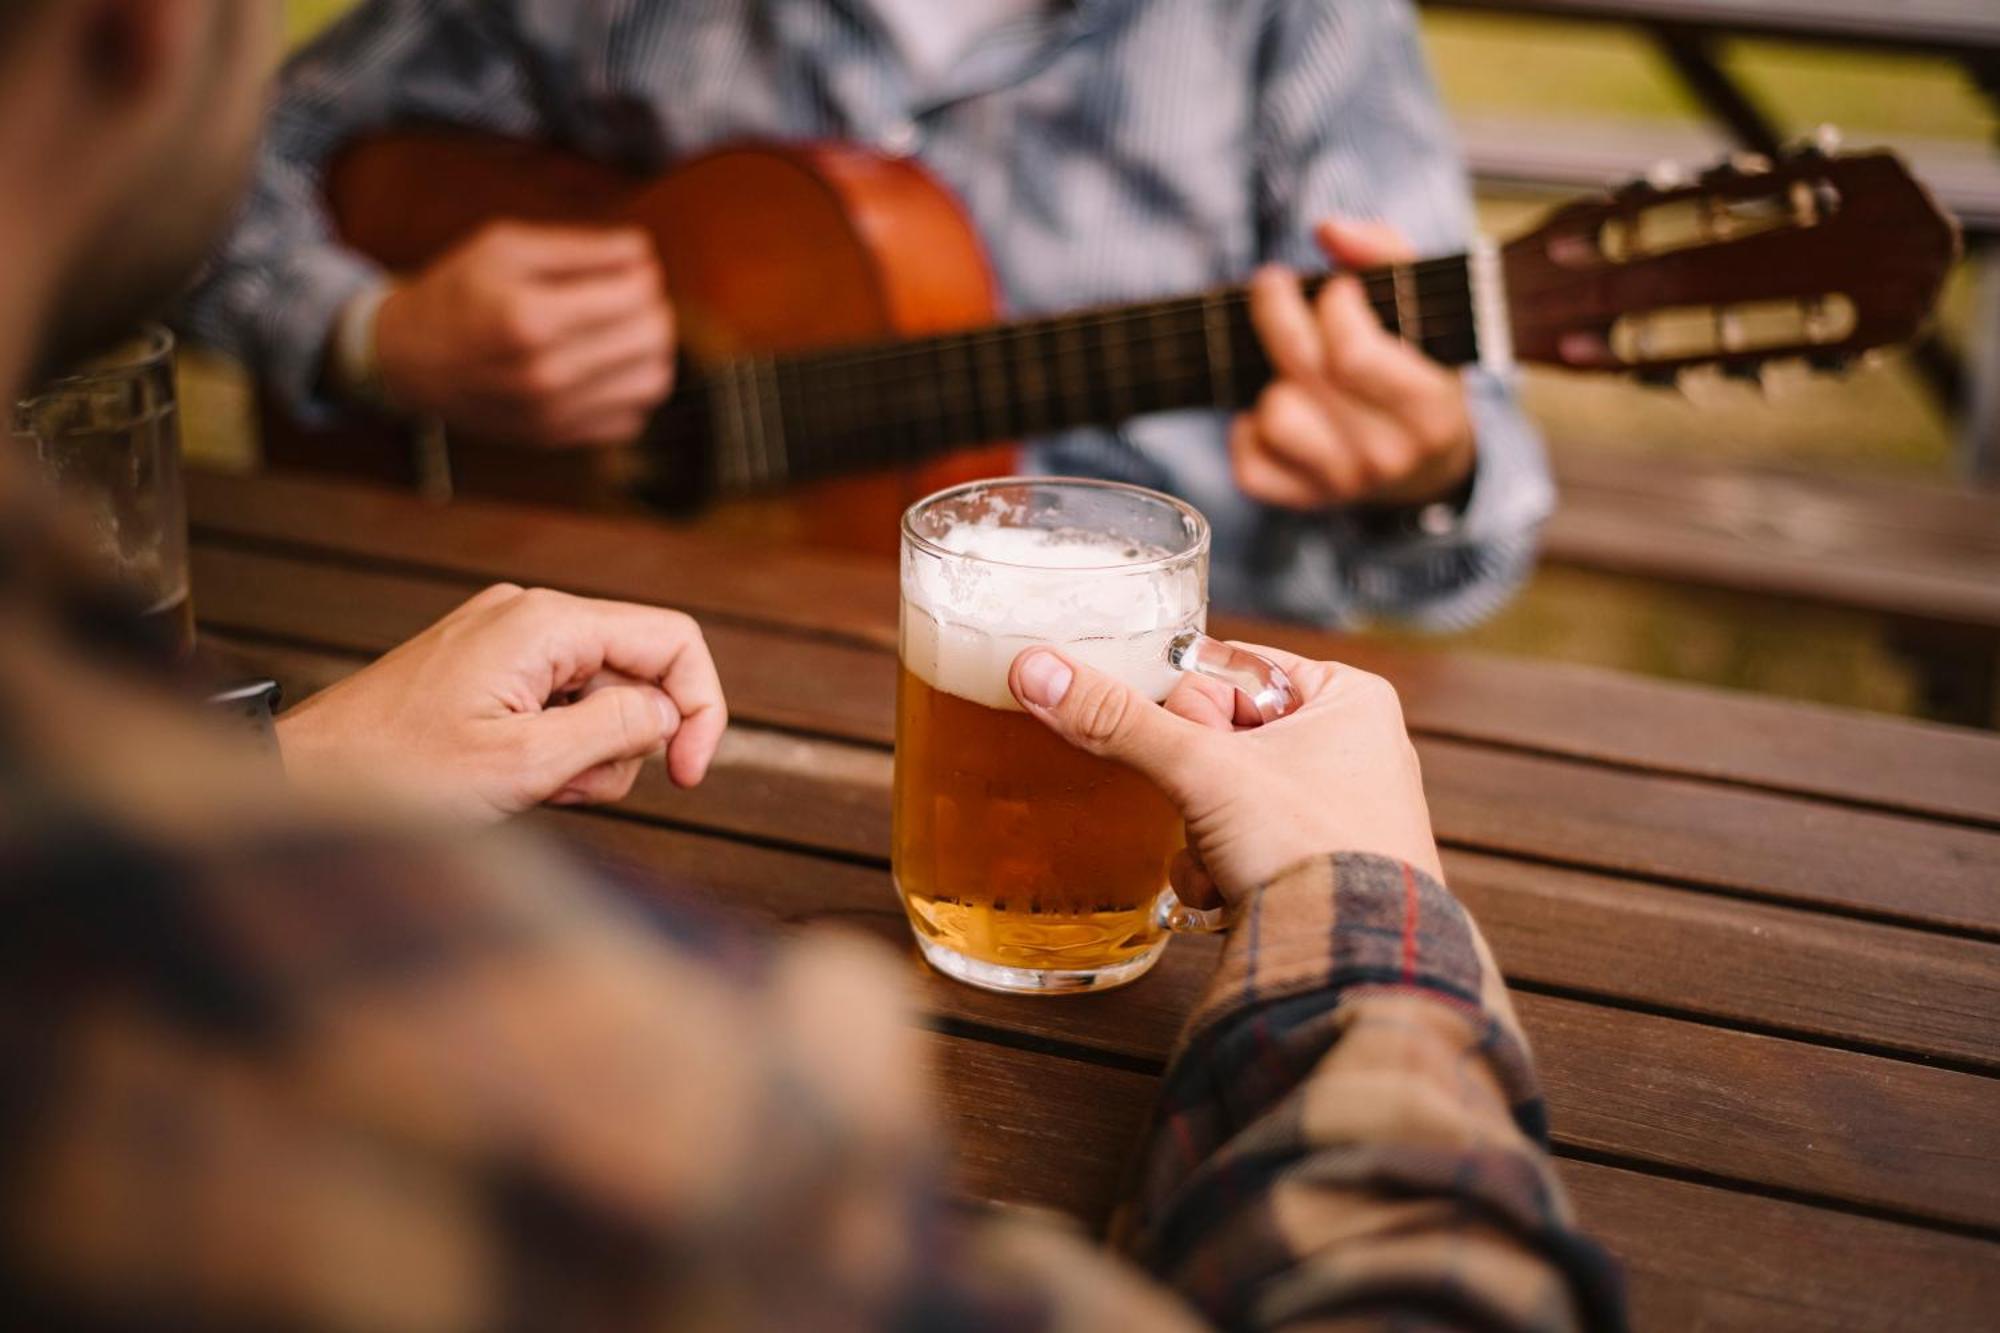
{"type": "Point", "coordinates": [108, 435]}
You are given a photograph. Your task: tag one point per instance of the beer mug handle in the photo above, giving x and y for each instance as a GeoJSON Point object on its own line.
{"type": "Point", "coordinates": [1258, 679]}
{"type": "Point", "coordinates": [1269, 691]}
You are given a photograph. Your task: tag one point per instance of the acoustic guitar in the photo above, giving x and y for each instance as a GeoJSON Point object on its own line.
{"type": "Point", "coordinates": [838, 318]}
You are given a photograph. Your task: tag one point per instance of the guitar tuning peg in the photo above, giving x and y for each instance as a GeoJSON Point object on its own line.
{"type": "Point", "coordinates": [1666, 174]}
{"type": "Point", "coordinates": [1735, 167]}
{"type": "Point", "coordinates": [1823, 142]}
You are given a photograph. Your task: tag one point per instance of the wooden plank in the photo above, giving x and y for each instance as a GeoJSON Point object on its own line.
{"type": "Point", "coordinates": [1779, 847]}
{"type": "Point", "coordinates": [1863, 1129]}
{"type": "Point", "coordinates": [1923, 524]}
{"type": "Point", "coordinates": [1013, 1142]}
{"type": "Point", "coordinates": [1588, 713]}
{"type": "Point", "coordinates": [1887, 1134]}
{"type": "Point", "coordinates": [779, 678]}
{"type": "Point", "coordinates": [842, 596]}
{"type": "Point", "coordinates": [1774, 968]}
{"type": "Point", "coordinates": [1702, 1258]}
{"type": "Point", "coordinates": [1948, 27]}
{"type": "Point", "coordinates": [1718, 735]}
{"type": "Point", "coordinates": [1779, 540]}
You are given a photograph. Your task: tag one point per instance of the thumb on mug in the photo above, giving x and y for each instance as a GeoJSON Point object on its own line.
{"type": "Point", "coordinates": [1102, 715]}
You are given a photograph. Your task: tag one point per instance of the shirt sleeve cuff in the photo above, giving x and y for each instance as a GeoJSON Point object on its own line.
{"type": "Point", "coordinates": [1350, 919]}
{"type": "Point", "coordinates": [300, 325]}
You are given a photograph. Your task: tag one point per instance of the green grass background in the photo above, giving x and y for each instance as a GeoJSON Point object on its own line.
{"type": "Point", "coordinates": [1876, 421]}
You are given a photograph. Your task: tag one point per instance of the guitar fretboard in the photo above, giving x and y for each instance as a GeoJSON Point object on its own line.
{"type": "Point", "coordinates": [773, 420]}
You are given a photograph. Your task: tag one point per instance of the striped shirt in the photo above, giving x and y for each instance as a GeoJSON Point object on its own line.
{"type": "Point", "coordinates": [1108, 150]}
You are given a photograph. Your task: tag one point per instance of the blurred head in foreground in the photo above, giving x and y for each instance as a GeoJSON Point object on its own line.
{"type": "Point", "coordinates": [126, 130]}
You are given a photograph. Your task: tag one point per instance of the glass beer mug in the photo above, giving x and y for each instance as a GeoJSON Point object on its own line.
{"type": "Point", "coordinates": [1026, 864]}
{"type": "Point", "coordinates": [108, 434]}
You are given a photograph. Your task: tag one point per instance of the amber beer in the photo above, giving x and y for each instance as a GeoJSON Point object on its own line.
{"type": "Point", "coordinates": [1024, 863]}
{"type": "Point", "coordinates": [1015, 849]}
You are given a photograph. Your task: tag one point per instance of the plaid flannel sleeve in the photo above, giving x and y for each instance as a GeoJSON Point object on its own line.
{"type": "Point", "coordinates": [1351, 1130]}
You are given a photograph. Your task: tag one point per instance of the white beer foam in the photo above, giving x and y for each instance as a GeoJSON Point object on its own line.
{"type": "Point", "coordinates": [964, 622]}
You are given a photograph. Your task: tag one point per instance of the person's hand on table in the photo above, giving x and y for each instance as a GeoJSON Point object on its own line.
{"type": "Point", "coordinates": [541, 335]}
{"type": "Point", "coordinates": [1353, 415]}
{"type": "Point", "coordinates": [1337, 775]}
{"type": "Point", "coordinates": [516, 699]}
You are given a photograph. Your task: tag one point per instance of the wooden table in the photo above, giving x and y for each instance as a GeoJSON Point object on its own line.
{"type": "Point", "coordinates": [1756, 945]}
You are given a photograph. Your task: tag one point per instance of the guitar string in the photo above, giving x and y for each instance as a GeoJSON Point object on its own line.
{"type": "Point", "coordinates": [821, 424]}
{"type": "Point", "coordinates": [1141, 344]}
{"type": "Point", "coordinates": [1092, 321]}
{"type": "Point", "coordinates": [1451, 266]}
{"type": "Point", "coordinates": [1140, 347]}
{"type": "Point", "coordinates": [888, 407]}
{"type": "Point", "coordinates": [959, 414]}
{"type": "Point", "coordinates": [891, 409]}
{"type": "Point", "coordinates": [894, 367]}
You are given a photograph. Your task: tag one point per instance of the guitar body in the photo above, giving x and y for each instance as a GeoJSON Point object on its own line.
{"type": "Point", "coordinates": [767, 249]}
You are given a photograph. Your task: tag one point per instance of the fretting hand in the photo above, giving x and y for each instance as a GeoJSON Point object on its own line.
{"type": "Point", "coordinates": [515, 699]}
{"type": "Point", "coordinates": [533, 335]}
{"type": "Point", "coordinates": [1354, 415]}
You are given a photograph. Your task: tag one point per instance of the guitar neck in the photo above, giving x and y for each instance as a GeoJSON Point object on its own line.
{"type": "Point", "coordinates": [777, 420]}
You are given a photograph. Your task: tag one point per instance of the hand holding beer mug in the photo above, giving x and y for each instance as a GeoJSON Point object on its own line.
{"type": "Point", "coordinates": [1026, 863]}
{"type": "Point", "coordinates": [1338, 774]}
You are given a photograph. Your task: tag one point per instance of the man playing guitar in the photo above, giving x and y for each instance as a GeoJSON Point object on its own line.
{"type": "Point", "coordinates": [1108, 150]}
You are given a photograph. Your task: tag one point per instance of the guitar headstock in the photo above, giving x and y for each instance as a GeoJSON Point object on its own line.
{"type": "Point", "coordinates": [1816, 255]}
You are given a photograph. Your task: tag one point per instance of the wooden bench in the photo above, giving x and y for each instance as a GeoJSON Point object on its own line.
{"type": "Point", "coordinates": [1924, 559]}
